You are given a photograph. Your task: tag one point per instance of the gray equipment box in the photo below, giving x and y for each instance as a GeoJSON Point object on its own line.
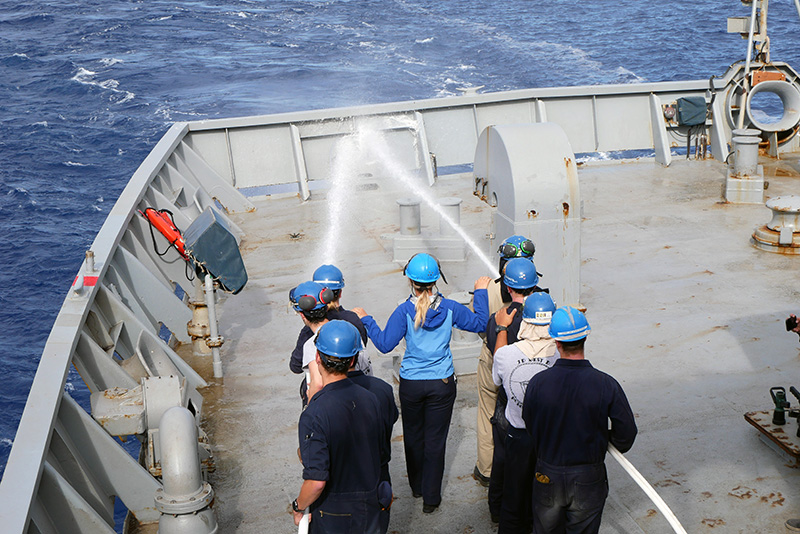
{"type": "Point", "coordinates": [210, 243]}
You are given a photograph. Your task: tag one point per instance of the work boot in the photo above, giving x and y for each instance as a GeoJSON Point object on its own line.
{"type": "Point", "coordinates": [793, 525]}
{"type": "Point", "coordinates": [482, 480]}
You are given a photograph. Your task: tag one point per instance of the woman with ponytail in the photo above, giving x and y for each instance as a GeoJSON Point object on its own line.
{"type": "Point", "coordinates": [427, 376]}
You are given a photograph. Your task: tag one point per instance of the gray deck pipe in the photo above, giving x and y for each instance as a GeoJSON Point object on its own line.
{"type": "Point", "coordinates": [184, 498]}
{"type": "Point", "coordinates": [451, 206]}
{"type": "Point", "coordinates": [745, 155]}
{"type": "Point", "coordinates": [409, 216]}
{"type": "Point", "coordinates": [214, 339]}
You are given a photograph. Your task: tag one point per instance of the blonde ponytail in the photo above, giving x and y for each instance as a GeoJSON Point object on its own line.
{"type": "Point", "coordinates": [422, 304]}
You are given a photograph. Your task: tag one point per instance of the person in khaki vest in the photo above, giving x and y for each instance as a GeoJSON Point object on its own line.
{"type": "Point", "coordinates": [516, 246]}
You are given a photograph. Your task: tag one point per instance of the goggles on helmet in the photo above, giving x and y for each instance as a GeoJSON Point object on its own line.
{"type": "Point", "coordinates": [510, 250]}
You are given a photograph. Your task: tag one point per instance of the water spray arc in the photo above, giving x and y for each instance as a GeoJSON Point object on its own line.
{"type": "Point", "coordinates": [370, 145]}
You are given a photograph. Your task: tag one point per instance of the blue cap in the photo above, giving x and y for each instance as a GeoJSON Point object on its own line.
{"type": "Point", "coordinates": [422, 268]}
{"type": "Point", "coordinates": [569, 324]}
{"type": "Point", "coordinates": [516, 246]}
{"type": "Point", "coordinates": [538, 308]}
{"type": "Point", "coordinates": [310, 296]}
{"type": "Point", "coordinates": [520, 273]}
{"type": "Point", "coordinates": [338, 339]}
{"type": "Point", "coordinates": [329, 276]}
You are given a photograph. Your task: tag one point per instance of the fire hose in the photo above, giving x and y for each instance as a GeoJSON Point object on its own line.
{"type": "Point", "coordinates": [647, 488]}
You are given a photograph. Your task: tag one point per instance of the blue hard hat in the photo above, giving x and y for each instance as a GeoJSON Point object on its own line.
{"type": "Point", "coordinates": [569, 324]}
{"type": "Point", "coordinates": [520, 273]}
{"type": "Point", "coordinates": [538, 308]}
{"type": "Point", "coordinates": [310, 296]}
{"type": "Point", "coordinates": [516, 246]}
{"type": "Point", "coordinates": [338, 339]}
{"type": "Point", "coordinates": [329, 276]}
{"type": "Point", "coordinates": [422, 268]}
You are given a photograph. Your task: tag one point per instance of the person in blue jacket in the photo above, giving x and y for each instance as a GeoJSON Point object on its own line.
{"type": "Point", "coordinates": [427, 376]}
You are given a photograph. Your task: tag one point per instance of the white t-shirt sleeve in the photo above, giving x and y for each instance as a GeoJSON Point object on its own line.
{"type": "Point", "coordinates": [309, 352]}
{"type": "Point", "coordinates": [497, 377]}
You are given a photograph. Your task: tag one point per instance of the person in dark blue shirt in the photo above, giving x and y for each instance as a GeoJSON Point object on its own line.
{"type": "Point", "coordinates": [567, 410]}
{"type": "Point", "coordinates": [389, 415]}
{"type": "Point", "coordinates": [340, 434]}
{"type": "Point", "coordinates": [427, 376]}
{"type": "Point", "coordinates": [329, 277]}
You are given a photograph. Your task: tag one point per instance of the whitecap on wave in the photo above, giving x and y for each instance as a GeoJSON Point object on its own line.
{"type": "Point", "coordinates": [20, 55]}
{"type": "Point", "coordinates": [110, 61]}
{"type": "Point", "coordinates": [75, 164]}
{"type": "Point", "coordinates": [413, 61]}
{"type": "Point", "coordinates": [40, 123]}
{"type": "Point", "coordinates": [426, 40]}
{"type": "Point", "coordinates": [86, 77]}
{"type": "Point", "coordinates": [7, 442]}
{"type": "Point", "coordinates": [628, 76]}
{"type": "Point", "coordinates": [166, 113]}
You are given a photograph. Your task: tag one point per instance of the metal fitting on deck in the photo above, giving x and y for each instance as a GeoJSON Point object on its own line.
{"type": "Point", "coordinates": [745, 158]}
{"type": "Point", "coordinates": [215, 342]}
{"type": "Point", "coordinates": [451, 206]}
{"type": "Point", "coordinates": [745, 180]}
{"type": "Point", "coordinates": [197, 328]}
{"type": "Point", "coordinates": [409, 216]}
{"type": "Point", "coordinates": [184, 498]}
{"type": "Point", "coordinates": [782, 233]}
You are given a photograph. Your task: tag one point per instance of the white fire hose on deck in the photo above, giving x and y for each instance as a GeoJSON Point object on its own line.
{"type": "Point", "coordinates": [647, 488]}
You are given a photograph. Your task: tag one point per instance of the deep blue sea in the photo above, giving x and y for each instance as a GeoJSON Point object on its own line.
{"type": "Point", "coordinates": [87, 89]}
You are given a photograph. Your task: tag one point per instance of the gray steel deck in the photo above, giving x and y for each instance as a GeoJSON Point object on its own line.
{"type": "Point", "coordinates": [686, 314]}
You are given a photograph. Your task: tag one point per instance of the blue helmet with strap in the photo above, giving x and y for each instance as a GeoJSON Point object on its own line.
{"type": "Point", "coordinates": [422, 268]}
{"type": "Point", "coordinates": [538, 308]}
{"type": "Point", "coordinates": [569, 324]}
{"type": "Point", "coordinates": [516, 246]}
{"type": "Point", "coordinates": [339, 339]}
{"type": "Point", "coordinates": [520, 273]}
{"type": "Point", "coordinates": [329, 276]}
{"type": "Point", "coordinates": [310, 296]}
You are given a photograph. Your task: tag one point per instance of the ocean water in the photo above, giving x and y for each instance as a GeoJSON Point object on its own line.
{"type": "Point", "coordinates": [87, 89]}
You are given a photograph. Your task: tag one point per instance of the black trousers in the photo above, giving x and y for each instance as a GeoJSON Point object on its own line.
{"type": "Point", "coordinates": [495, 496]}
{"type": "Point", "coordinates": [569, 499]}
{"type": "Point", "coordinates": [427, 407]}
{"type": "Point", "coordinates": [354, 513]}
{"type": "Point", "coordinates": [516, 516]}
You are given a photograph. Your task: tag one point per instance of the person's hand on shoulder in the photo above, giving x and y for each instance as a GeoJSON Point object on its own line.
{"type": "Point", "coordinates": [360, 312]}
{"type": "Point", "coordinates": [503, 318]}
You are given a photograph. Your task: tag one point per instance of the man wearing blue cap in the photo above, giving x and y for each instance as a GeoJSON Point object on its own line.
{"type": "Point", "coordinates": [567, 410]}
{"type": "Point", "coordinates": [341, 442]}
{"type": "Point", "coordinates": [513, 247]}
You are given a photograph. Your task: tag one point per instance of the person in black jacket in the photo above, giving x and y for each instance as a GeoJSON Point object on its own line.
{"type": "Point", "coordinates": [389, 415]}
{"type": "Point", "coordinates": [330, 277]}
{"type": "Point", "coordinates": [567, 409]}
